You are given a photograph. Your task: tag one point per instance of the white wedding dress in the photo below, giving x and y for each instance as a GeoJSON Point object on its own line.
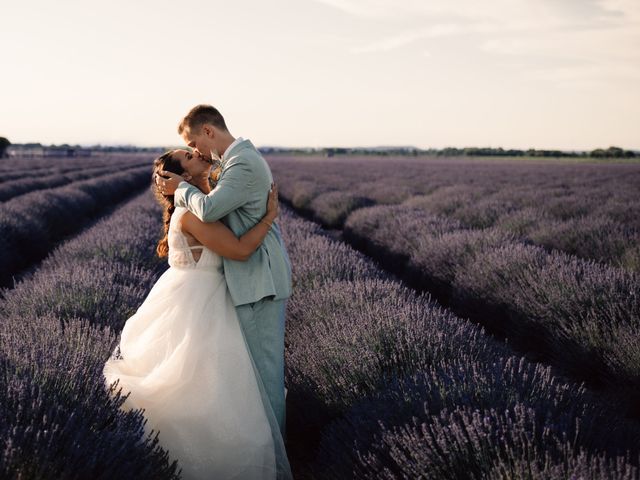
{"type": "Point", "coordinates": [184, 359]}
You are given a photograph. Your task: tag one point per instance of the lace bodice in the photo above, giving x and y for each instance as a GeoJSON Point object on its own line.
{"type": "Point", "coordinates": [183, 255]}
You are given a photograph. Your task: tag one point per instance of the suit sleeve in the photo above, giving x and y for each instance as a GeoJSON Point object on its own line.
{"type": "Point", "coordinates": [230, 193]}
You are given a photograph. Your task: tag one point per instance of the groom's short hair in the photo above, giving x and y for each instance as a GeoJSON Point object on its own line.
{"type": "Point", "coordinates": [199, 115]}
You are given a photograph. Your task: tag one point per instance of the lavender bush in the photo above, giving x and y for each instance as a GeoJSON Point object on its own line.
{"type": "Point", "coordinates": [585, 314]}
{"type": "Point", "coordinates": [334, 207]}
{"type": "Point", "coordinates": [525, 429]}
{"type": "Point", "coordinates": [480, 444]}
{"type": "Point", "coordinates": [592, 237]}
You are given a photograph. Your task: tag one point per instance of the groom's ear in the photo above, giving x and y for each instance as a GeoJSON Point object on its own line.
{"type": "Point", "coordinates": [208, 130]}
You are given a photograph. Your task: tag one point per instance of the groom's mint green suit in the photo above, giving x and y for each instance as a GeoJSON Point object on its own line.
{"type": "Point", "coordinates": [260, 286]}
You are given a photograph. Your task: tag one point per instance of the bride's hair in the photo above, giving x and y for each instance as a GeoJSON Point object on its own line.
{"type": "Point", "coordinates": [169, 163]}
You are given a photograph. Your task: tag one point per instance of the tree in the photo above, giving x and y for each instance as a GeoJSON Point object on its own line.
{"type": "Point", "coordinates": [615, 152]}
{"type": "Point", "coordinates": [4, 143]}
{"type": "Point", "coordinates": [612, 152]}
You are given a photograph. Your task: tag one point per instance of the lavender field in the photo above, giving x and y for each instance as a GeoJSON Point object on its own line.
{"type": "Point", "coordinates": [396, 364]}
{"type": "Point", "coordinates": [40, 205]}
{"type": "Point", "coordinates": [544, 254]}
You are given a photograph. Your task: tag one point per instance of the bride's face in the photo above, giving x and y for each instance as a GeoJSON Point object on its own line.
{"type": "Point", "coordinates": [193, 164]}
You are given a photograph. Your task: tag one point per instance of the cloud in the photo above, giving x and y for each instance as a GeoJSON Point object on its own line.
{"type": "Point", "coordinates": [542, 13]}
{"type": "Point", "coordinates": [567, 40]}
{"type": "Point", "coordinates": [409, 37]}
{"type": "Point", "coordinates": [358, 8]}
{"type": "Point", "coordinates": [510, 15]}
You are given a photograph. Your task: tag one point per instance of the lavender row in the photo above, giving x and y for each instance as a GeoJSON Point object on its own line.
{"type": "Point", "coordinates": [384, 383]}
{"type": "Point", "coordinates": [580, 315]}
{"type": "Point", "coordinates": [19, 172]}
{"type": "Point", "coordinates": [32, 183]}
{"type": "Point", "coordinates": [58, 328]}
{"type": "Point", "coordinates": [29, 164]}
{"type": "Point", "coordinates": [30, 225]}
{"type": "Point", "coordinates": [589, 210]}
{"type": "Point", "coordinates": [585, 224]}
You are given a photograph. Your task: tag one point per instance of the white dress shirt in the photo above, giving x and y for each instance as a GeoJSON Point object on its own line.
{"type": "Point", "coordinates": [225, 155]}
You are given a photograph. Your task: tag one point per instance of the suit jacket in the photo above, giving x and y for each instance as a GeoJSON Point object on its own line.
{"type": "Point", "coordinates": [239, 200]}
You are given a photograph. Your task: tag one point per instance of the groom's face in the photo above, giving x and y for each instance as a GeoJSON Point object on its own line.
{"type": "Point", "coordinates": [199, 141]}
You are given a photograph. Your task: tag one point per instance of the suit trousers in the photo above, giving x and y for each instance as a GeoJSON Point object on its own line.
{"type": "Point", "coordinates": [263, 325]}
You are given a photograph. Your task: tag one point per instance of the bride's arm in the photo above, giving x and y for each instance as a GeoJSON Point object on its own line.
{"type": "Point", "coordinates": [217, 237]}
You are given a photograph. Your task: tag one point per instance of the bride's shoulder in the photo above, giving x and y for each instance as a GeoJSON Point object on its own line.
{"type": "Point", "coordinates": [181, 215]}
{"type": "Point", "coordinates": [178, 213]}
{"type": "Point", "coordinates": [180, 210]}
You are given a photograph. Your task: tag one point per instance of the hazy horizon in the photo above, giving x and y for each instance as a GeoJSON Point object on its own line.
{"type": "Point", "coordinates": [301, 147]}
{"type": "Point", "coordinates": [543, 74]}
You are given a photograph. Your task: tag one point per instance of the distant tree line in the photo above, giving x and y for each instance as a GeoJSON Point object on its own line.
{"type": "Point", "coordinates": [66, 150]}
{"type": "Point", "coordinates": [100, 148]}
{"type": "Point", "coordinates": [611, 152]}
{"type": "Point", "coordinates": [500, 152]}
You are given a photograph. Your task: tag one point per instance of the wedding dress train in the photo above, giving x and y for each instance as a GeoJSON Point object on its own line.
{"type": "Point", "coordinates": [184, 359]}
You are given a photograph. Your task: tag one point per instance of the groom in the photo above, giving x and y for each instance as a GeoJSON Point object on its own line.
{"type": "Point", "coordinates": [260, 286]}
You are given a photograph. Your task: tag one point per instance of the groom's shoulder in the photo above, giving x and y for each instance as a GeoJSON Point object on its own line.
{"type": "Point", "coordinates": [247, 148]}
{"type": "Point", "coordinates": [246, 152]}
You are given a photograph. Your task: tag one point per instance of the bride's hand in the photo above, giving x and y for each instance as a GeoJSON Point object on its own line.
{"type": "Point", "coordinates": [272, 203]}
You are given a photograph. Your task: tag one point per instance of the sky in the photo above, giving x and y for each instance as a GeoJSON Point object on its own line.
{"type": "Point", "coordinates": [428, 73]}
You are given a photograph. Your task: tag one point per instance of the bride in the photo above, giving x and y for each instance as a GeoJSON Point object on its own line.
{"type": "Point", "coordinates": [183, 356]}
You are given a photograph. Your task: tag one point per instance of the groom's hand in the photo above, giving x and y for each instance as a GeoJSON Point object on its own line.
{"type": "Point", "coordinates": [168, 182]}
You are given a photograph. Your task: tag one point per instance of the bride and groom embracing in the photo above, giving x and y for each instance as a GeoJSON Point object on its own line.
{"type": "Point", "coordinates": [204, 353]}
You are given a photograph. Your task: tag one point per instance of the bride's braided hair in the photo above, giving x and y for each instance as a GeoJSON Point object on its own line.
{"type": "Point", "coordinates": [166, 162]}
{"type": "Point", "coordinates": [169, 163]}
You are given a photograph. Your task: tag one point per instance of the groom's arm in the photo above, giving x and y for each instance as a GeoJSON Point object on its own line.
{"type": "Point", "coordinates": [231, 192]}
